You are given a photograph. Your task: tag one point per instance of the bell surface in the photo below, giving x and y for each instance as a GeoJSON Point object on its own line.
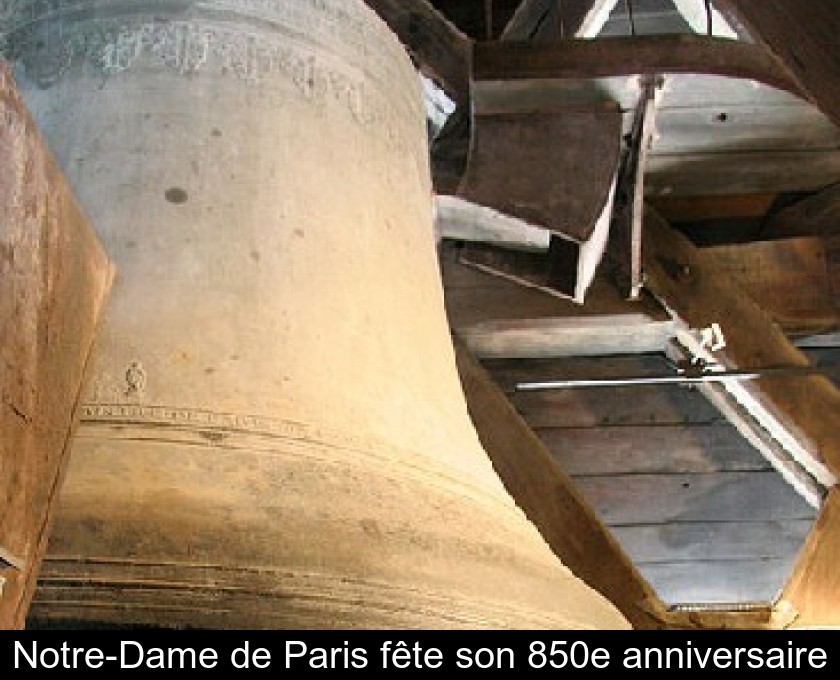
{"type": "Point", "coordinates": [274, 434]}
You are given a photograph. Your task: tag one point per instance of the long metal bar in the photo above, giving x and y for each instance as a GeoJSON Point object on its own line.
{"type": "Point", "coordinates": [687, 377]}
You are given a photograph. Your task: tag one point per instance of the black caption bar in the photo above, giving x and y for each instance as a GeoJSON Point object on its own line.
{"type": "Point", "coordinates": [415, 652]}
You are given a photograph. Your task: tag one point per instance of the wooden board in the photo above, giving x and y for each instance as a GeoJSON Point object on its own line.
{"type": "Point", "coordinates": [622, 500]}
{"type": "Point", "coordinates": [474, 297]}
{"type": "Point", "coordinates": [736, 582]}
{"type": "Point", "coordinates": [646, 449]}
{"type": "Point", "coordinates": [682, 209]}
{"type": "Point", "coordinates": [787, 278]}
{"type": "Point", "coordinates": [620, 406]}
{"type": "Point", "coordinates": [718, 541]}
{"type": "Point", "coordinates": [715, 129]}
{"type": "Point", "coordinates": [53, 280]}
{"type": "Point", "coordinates": [735, 172]}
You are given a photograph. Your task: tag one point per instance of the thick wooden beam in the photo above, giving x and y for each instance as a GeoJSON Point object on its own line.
{"type": "Point", "coordinates": [53, 280]}
{"type": "Point", "coordinates": [567, 337]}
{"type": "Point", "coordinates": [787, 278]}
{"type": "Point", "coordinates": [817, 215]}
{"type": "Point", "coordinates": [550, 500]}
{"type": "Point", "coordinates": [814, 588]}
{"type": "Point", "coordinates": [803, 37]}
{"type": "Point", "coordinates": [802, 413]}
{"type": "Point", "coordinates": [443, 53]}
{"type": "Point", "coordinates": [629, 56]}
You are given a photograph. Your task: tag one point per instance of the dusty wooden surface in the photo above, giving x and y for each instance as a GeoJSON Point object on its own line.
{"type": "Point", "coordinates": [702, 515]}
{"type": "Point", "coordinates": [628, 56]}
{"type": "Point", "coordinates": [803, 37]}
{"type": "Point", "coordinates": [53, 280]}
{"type": "Point", "coordinates": [550, 499]}
{"type": "Point", "coordinates": [699, 290]}
{"type": "Point", "coordinates": [787, 278]}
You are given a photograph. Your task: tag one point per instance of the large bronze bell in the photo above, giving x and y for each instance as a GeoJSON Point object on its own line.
{"type": "Point", "coordinates": [274, 434]}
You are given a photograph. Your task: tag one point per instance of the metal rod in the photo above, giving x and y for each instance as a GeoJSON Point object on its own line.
{"type": "Point", "coordinates": [677, 379]}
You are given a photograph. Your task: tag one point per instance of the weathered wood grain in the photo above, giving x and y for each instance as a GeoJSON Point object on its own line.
{"type": "Point", "coordinates": [443, 52]}
{"type": "Point", "coordinates": [53, 280]}
{"type": "Point", "coordinates": [803, 413]}
{"type": "Point", "coordinates": [550, 499]}
{"type": "Point", "coordinates": [621, 500]}
{"type": "Point", "coordinates": [629, 56]}
{"type": "Point", "coordinates": [803, 37]}
{"type": "Point", "coordinates": [814, 587]}
{"type": "Point", "coordinates": [646, 449]}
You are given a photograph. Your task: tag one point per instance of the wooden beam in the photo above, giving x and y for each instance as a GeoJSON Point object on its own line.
{"type": "Point", "coordinates": [695, 15]}
{"type": "Point", "coordinates": [54, 277]}
{"type": "Point", "coordinates": [817, 215]}
{"type": "Point", "coordinates": [550, 500]}
{"type": "Point", "coordinates": [567, 337]}
{"type": "Point", "coordinates": [725, 172]}
{"type": "Point", "coordinates": [543, 21]}
{"type": "Point", "coordinates": [802, 36]}
{"type": "Point", "coordinates": [787, 278]}
{"type": "Point", "coordinates": [629, 56]}
{"type": "Point", "coordinates": [815, 584]}
{"type": "Point", "coordinates": [803, 413]}
{"type": "Point", "coordinates": [443, 53]}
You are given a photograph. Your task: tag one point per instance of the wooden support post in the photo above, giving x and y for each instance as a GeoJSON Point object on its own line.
{"type": "Point", "coordinates": [54, 277]}
{"type": "Point", "coordinates": [628, 216]}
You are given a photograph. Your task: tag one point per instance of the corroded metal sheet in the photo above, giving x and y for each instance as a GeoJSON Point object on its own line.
{"type": "Point", "coordinates": [53, 279]}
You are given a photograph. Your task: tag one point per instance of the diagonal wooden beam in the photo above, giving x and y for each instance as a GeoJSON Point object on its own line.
{"type": "Point", "coordinates": [817, 215]}
{"type": "Point", "coordinates": [546, 20]}
{"type": "Point", "coordinates": [802, 36]}
{"type": "Point", "coordinates": [550, 500]}
{"type": "Point", "coordinates": [629, 56]}
{"type": "Point", "coordinates": [54, 278]}
{"type": "Point", "coordinates": [802, 414]}
{"type": "Point", "coordinates": [528, 19]}
{"type": "Point", "coordinates": [442, 52]}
